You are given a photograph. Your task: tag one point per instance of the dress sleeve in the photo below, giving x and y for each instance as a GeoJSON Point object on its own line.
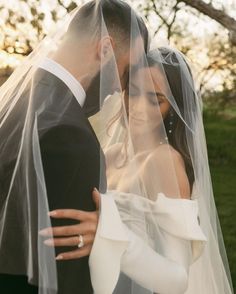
{"type": "Point", "coordinates": [116, 248]}
{"type": "Point", "coordinates": [180, 218]}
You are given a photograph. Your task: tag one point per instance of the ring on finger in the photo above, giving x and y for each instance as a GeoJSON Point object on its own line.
{"type": "Point", "coordinates": [81, 241]}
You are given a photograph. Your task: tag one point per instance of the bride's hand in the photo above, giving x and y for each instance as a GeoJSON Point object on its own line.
{"type": "Point", "coordinates": [69, 235]}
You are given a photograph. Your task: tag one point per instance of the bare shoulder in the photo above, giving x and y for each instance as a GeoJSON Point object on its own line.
{"type": "Point", "coordinates": [167, 152]}
{"type": "Point", "coordinates": [166, 160]}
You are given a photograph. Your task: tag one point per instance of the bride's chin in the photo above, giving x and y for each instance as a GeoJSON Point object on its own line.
{"type": "Point", "coordinates": [137, 133]}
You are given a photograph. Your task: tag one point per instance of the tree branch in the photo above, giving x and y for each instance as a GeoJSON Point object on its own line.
{"type": "Point", "coordinates": [218, 15]}
{"type": "Point", "coordinates": [165, 21]}
{"type": "Point", "coordinates": [158, 13]}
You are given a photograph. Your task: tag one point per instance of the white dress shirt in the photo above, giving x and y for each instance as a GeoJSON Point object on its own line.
{"type": "Point", "coordinates": [65, 76]}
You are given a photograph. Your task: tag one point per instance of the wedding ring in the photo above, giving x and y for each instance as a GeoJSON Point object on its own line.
{"type": "Point", "coordinates": [81, 241]}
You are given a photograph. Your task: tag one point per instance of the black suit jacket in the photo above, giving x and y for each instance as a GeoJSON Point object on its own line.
{"type": "Point", "coordinates": [73, 165]}
{"type": "Point", "coordinates": [71, 158]}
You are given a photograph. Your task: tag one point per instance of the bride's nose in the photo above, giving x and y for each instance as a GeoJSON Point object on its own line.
{"type": "Point", "coordinates": [137, 106]}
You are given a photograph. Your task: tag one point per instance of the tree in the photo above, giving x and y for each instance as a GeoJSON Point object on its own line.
{"type": "Point", "coordinates": [214, 57]}
{"type": "Point", "coordinates": [28, 18]}
{"type": "Point", "coordinates": [219, 15]}
{"type": "Point", "coordinates": [173, 19]}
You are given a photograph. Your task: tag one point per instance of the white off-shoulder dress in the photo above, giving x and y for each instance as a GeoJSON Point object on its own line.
{"type": "Point", "coordinates": [118, 249]}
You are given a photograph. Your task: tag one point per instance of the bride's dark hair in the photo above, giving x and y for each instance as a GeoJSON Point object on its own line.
{"type": "Point", "coordinates": [177, 137]}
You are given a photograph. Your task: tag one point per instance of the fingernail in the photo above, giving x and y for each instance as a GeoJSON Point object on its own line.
{"type": "Point", "coordinates": [49, 242]}
{"type": "Point", "coordinates": [59, 257]}
{"type": "Point", "coordinates": [45, 232]}
{"type": "Point", "coordinates": [52, 213]}
{"type": "Point", "coordinates": [95, 189]}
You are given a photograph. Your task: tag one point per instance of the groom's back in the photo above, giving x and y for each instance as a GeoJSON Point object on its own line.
{"type": "Point", "coordinates": [70, 156]}
{"type": "Point", "coordinates": [73, 166]}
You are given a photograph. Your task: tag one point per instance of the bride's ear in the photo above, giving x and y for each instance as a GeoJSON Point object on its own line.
{"type": "Point", "coordinates": [105, 48]}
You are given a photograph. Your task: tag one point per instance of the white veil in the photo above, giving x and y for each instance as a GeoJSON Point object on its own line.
{"type": "Point", "coordinates": [27, 114]}
{"type": "Point", "coordinates": [142, 149]}
{"type": "Point", "coordinates": [144, 146]}
{"type": "Point", "coordinates": [23, 201]}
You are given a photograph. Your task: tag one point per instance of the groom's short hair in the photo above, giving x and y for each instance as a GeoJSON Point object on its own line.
{"type": "Point", "coordinates": [118, 17]}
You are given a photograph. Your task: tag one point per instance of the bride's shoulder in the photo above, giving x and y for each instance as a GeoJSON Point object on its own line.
{"type": "Point", "coordinates": [162, 161]}
{"type": "Point", "coordinates": [166, 152]}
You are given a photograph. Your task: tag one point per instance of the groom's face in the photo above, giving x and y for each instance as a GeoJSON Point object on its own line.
{"type": "Point", "coordinates": [129, 58]}
{"type": "Point", "coordinates": [112, 77]}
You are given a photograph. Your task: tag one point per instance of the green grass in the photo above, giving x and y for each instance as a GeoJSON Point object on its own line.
{"type": "Point", "coordinates": [221, 142]}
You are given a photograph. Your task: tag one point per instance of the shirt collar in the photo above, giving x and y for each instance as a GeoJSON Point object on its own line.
{"type": "Point", "coordinates": [72, 83]}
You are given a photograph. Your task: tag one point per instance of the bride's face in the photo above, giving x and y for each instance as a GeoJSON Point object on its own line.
{"type": "Point", "coordinates": [146, 102]}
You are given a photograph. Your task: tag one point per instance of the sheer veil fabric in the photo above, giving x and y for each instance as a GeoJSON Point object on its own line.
{"type": "Point", "coordinates": [147, 117]}
{"type": "Point", "coordinates": [145, 145]}
{"type": "Point", "coordinates": [29, 110]}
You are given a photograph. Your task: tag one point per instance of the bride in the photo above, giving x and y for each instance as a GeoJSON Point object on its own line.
{"type": "Point", "coordinates": [157, 230]}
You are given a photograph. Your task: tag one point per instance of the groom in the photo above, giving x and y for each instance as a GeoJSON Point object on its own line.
{"type": "Point", "coordinates": [71, 154]}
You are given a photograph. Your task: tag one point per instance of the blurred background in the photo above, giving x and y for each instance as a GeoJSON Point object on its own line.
{"type": "Point", "coordinates": [203, 30]}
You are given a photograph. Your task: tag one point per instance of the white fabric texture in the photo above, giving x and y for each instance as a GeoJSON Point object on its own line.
{"type": "Point", "coordinates": [116, 248]}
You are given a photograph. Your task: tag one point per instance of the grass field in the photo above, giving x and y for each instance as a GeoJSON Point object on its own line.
{"type": "Point", "coordinates": [221, 142]}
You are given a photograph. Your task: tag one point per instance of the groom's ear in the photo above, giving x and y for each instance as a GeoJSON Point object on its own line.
{"type": "Point", "coordinates": [105, 48]}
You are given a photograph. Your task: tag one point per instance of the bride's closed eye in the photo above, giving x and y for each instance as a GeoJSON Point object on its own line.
{"type": "Point", "coordinates": [156, 98]}
{"type": "Point", "coordinates": [161, 98]}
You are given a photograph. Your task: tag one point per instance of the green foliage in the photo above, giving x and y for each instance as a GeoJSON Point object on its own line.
{"type": "Point", "coordinates": [220, 102]}
{"type": "Point", "coordinates": [221, 142]}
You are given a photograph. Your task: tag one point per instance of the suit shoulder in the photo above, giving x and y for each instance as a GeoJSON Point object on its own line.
{"type": "Point", "coordinates": [67, 138]}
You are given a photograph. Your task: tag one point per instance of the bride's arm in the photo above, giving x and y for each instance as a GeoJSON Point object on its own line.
{"type": "Point", "coordinates": [158, 273]}
{"type": "Point", "coordinates": [166, 272]}
{"type": "Point", "coordinates": [118, 249]}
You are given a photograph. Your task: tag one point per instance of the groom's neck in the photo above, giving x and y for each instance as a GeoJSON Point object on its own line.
{"type": "Point", "coordinates": [81, 63]}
